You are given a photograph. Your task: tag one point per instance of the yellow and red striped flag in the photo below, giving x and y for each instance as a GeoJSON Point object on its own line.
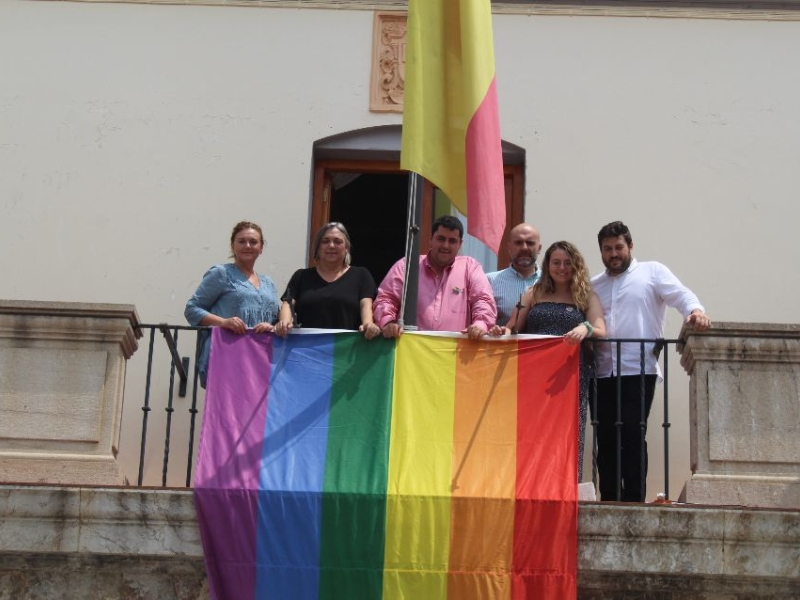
{"type": "Point", "coordinates": [451, 123]}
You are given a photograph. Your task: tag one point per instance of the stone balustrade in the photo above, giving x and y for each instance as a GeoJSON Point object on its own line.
{"type": "Point", "coordinates": [745, 414]}
{"type": "Point", "coordinates": [62, 376]}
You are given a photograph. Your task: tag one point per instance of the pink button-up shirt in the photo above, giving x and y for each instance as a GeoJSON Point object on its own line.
{"type": "Point", "coordinates": [461, 296]}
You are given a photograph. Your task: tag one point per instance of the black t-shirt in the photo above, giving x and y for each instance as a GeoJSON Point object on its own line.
{"type": "Point", "coordinates": [334, 305]}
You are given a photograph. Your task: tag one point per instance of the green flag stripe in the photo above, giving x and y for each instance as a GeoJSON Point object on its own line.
{"type": "Point", "coordinates": [354, 489]}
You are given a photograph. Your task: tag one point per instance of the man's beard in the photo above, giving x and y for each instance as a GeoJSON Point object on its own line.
{"type": "Point", "coordinates": [623, 266]}
{"type": "Point", "coordinates": [524, 261]}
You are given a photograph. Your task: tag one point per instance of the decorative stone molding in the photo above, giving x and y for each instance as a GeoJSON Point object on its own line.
{"type": "Point", "coordinates": [744, 414]}
{"type": "Point", "coordinates": [387, 82]}
{"type": "Point", "coordinates": [62, 376]}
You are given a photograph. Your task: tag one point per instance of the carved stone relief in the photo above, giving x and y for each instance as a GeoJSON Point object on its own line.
{"type": "Point", "coordinates": [388, 62]}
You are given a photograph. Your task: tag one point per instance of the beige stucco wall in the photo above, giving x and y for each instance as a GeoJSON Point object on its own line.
{"type": "Point", "coordinates": [132, 136]}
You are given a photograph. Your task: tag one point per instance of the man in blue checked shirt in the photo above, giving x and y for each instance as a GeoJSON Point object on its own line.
{"type": "Point", "coordinates": [508, 285]}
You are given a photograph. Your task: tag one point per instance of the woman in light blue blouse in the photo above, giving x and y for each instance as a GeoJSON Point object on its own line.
{"type": "Point", "coordinates": [233, 295]}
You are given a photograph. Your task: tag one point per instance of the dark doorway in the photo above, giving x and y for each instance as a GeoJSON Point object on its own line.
{"type": "Point", "coordinates": [373, 208]}
{"type": "Point", "coordinates": [357, 180]}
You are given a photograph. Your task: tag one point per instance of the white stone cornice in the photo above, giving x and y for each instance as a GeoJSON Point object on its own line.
{"type": "Point", "coordinates": [733, 10]}
{"type": "Point", "coordinates": [35, 321]}
{"type": "Point", "coordinates": [741, 343]}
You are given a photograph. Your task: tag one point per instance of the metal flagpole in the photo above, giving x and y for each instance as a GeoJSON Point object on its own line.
{"type": "Point", "coordinates": [408, 303]}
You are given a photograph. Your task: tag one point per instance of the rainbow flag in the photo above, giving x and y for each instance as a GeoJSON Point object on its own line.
{"type": "Point", "coordinates": [451, 121]}
{"type": "Point", "coordinates": [427, 468]}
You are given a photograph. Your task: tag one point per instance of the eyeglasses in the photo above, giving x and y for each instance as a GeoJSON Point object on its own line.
{"type": "Point", "coordinates": [567, 264]}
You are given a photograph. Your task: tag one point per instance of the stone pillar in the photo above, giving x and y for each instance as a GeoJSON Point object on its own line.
{"type": "Point", "coordinates": [745, 414]}
{"type": "Point", "coordinates": [62, 376]}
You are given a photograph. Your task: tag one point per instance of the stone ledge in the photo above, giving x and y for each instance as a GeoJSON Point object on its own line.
{"type": "Point", "coordinates": [144, 543]}
{"type": "Point", "coordinates": [67, 577]}
{"type": "Point", "coordinates": [33, 323]}
{"type": "Point", "coordinates": [779, 492]}
{"type": "Point", "coordinates": [690, 539]}
{"type": "Point", "coordinates": [98, 521]}
{"type": "Point", "coordinates": [40, 308]}
{"type": "Point", "coordinates": [665, 586]}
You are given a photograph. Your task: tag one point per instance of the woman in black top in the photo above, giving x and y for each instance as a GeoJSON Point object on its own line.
{"type": "Point", "coordinates": [333, 294]}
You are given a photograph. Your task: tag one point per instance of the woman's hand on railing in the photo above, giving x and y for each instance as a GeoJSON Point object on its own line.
{"type": "Point", "coordinates": [283, 327]}
{"type": "Point", "coordinates": [499, 331]}
{"type": "Point", "coordinates": [370, 330]}
{"type": "Point", "coordinates": [235, 324]}
{"type": "Point", "coordinates": [577, 334]}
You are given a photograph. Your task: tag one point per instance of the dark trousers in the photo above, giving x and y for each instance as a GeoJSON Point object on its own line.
{"type": "Point", "coordinates": [631, 469]}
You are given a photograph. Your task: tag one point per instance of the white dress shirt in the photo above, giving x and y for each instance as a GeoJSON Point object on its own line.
{"type": "Point", "coordinates": [634, 307]}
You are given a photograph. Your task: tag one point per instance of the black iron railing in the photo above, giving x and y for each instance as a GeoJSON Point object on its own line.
{"type": "Point", "coordinates": [182, 379]}
{"type": "Point", "coordinates": [180, 367]}
{"type": "Point", "coordinates": [657, 347]}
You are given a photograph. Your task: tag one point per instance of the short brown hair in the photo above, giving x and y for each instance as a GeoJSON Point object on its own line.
{"type": "Point", "coordinates": [241, 225]}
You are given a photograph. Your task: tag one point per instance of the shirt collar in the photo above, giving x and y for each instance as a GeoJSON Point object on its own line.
{"type": "Point", "coordinates": [426, 262]}
{"type": "Point", "coordinates": [519, 275]}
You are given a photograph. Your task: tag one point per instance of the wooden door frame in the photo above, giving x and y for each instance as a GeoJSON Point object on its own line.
{"type": "Point", "coordinates": [514, 177]}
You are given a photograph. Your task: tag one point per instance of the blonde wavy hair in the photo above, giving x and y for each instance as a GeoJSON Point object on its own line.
{"type": "Point", "coordinates": [580, 288]}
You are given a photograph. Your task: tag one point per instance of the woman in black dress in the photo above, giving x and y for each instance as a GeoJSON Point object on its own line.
{"type": "Point", "coordinates": [563, 303]}
{"type": "Point", "coordinates": [333, 294]}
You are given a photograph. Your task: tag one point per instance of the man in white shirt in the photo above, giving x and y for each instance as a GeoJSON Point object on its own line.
{"type": "Point", "coordinates": [634, 296]}
{"type": "Point", "coordinates": [509, 284]}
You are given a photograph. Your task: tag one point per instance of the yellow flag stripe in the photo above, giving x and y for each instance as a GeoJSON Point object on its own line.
{"type": "Point", "coordinates": [420, 466]}
{"type": "Point", "coordinates": [449, 68]}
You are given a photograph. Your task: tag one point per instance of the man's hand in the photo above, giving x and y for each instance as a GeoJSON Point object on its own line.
{"type": "Point", "coordinates": [699, 320]}
{"type": "Point", "coordinates": [474, 332]}
{"type": "Point", "coordinates": [392, 330]}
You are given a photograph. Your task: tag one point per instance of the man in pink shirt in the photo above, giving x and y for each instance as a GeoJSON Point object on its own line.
{"type": "Point", "coordinates": [454, 293]}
